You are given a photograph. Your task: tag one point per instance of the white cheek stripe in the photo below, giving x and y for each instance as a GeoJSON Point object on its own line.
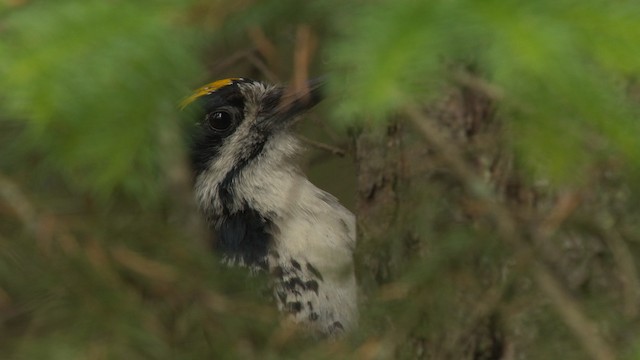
{"type": "Point", "coordinates": [234, 147]}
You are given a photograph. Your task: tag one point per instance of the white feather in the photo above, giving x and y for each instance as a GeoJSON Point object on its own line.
{"type": "Point", "coordinates": [311, 226]}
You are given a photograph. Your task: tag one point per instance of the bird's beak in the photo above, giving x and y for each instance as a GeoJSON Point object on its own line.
{"type": "Point", "coordinates": [296, 99]}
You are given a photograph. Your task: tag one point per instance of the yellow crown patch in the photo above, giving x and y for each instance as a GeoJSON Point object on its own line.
{"type": "Point", "coordinates": [206, 90]}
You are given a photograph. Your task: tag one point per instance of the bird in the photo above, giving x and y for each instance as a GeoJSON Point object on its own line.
{"type": "Point", "coordinates": [265, 215]}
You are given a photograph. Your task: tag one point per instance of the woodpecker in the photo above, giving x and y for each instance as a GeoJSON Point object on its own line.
{"type": "Point", "coordinates": [264, 213]}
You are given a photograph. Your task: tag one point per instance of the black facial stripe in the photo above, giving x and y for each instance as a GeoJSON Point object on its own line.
{"type": "Point", "coordinates": [204, 148]}
{"type": "Point", "coordinates": [206, 143]}
{"type": "Point", "coordinates": [225, 190]}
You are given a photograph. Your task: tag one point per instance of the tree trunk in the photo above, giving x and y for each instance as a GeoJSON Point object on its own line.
{"type": "Point", "coordinates": [398, 172]}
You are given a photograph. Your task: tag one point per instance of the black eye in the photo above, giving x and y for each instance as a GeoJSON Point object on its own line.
{"type": "Point", "coordinates": [220, 120]}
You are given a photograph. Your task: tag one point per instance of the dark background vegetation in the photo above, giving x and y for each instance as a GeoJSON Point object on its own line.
{"type": "Point", "coordinates": [489, 149]}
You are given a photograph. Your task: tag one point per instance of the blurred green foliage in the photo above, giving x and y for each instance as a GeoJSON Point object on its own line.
{"type": "Point", "coordinates": [561, 70]}
{"type": "Point", "coordinates": [95, 81]}
{"type": "Point", "coordinates": [94, 262]}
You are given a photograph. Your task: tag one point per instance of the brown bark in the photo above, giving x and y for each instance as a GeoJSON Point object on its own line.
{"type": "Point", "coordinates": [394, 165]}
{"type": "Point", "coordinates": [448, 168]}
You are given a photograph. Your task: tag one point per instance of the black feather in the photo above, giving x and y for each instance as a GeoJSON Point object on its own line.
{"type": "Point", "coordinates": [246, 236]}
{"type": "Point", "coordinates": [206, 143]}
{"type": "Point", "coordinates": [225, 190]}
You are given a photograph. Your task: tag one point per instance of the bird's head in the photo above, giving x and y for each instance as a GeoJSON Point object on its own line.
{"type": "Point", "coordinates": [237, 117]}
{"type": "Point", "coordinates": [241, 122]}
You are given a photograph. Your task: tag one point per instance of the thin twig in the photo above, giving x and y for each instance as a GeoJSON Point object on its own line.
{"type": "Point", "coordinates": [18, 202]}
{"type": "Point", "coordinates": [583, 328]}
{"type": "Point", "coordinates": [43, 227]}
{"type": "Point", "coordinates": [233, 59]}
{"type": "Point", "coordinates": [299, 89]}
{"type": "Point", "coordinates": [628, 272]}
{"type": "Point", "coordinates": [322, 146]}
{"type": "Point", "coordinates": [476, 83]}
{"type": "Point", "coordinates": [566, 204]}
{"type": "Point", "coordinates": [142, 265]}
{"type": "Point", "coordinates": [263, 68]}
{"type": "Point", "coordinates": [305, 47]}
{"type": "Point", "coordinates": [265, 47]}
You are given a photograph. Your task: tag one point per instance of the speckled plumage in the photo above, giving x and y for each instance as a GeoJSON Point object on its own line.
{"type": "Point", "coordinates": [264, 212]}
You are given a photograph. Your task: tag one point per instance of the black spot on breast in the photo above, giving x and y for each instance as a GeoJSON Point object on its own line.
{"type": "Point", "coordinates": [337, 325]}
{"type": "Point", "coordinates": [294, 284]}
{"type": "Point", "coordinates": [294, 307]}
{"type": "Point", "coordinates": [244, 236]}
{"type": "Point", "coordinates": [312, 285]}
{"type": "Point", "coordinates": [310, 305]}
{"type": "Point", "coordinates": [313, 316]}
{"type": "Point", "coordinates": [296, 264]}
{"type": "Point", "coordinates": [314, 272]}
{"type": "Point", "coordinates": [278, 271]}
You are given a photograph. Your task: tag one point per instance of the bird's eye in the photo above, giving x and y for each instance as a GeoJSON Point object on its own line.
{"type": "Point", "coordinates": [220, 120]}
